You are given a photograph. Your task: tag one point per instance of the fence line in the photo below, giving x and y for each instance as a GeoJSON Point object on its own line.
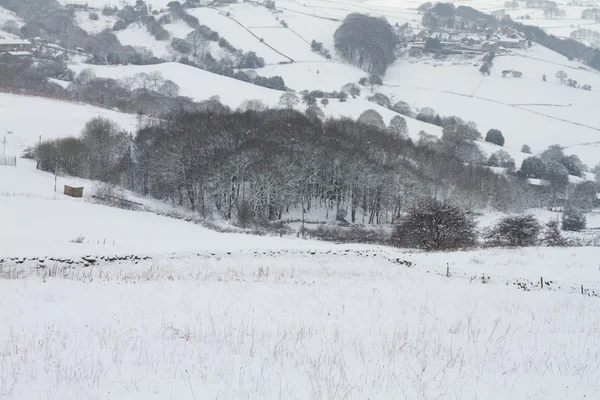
{"type": "Point", "coordinates": [10, 161]}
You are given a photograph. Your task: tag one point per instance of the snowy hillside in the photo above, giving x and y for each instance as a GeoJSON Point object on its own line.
{"type": "Point", "coordinates": [29, 118]}
{"type": "Point", "coordinates": [193, 82]}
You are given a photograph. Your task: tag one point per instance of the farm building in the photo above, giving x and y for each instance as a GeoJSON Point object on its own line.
{"type": "Point", "coordinates": [15, 46]}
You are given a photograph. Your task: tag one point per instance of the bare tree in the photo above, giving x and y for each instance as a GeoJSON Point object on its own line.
{"type": "Point", "coordinates": [289, 100]}
{"type": "Point", "coordinates": [168, 88]}
{"type": "Point", "coordinates": [199, 43]}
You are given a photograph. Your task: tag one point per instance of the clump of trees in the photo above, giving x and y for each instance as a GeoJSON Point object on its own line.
{"type": "Point", "coordinates": [100, 153]}
{"type": "Point", "coordinates": [367, 42]}
{"type": "Point", "coordinates": [503, 160]}
{"type": "Point", "coordinates": [564, 79]}
{"type": "Point", "coordinates": [550, 160]}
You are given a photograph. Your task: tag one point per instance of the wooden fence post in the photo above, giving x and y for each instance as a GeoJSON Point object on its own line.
{"type": "Point", "coordinates": [581, 289]}
{"type": "Point", "coordinates": [542, 282]}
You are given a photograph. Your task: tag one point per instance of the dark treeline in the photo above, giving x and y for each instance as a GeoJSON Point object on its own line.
{"type": "Point", "coordinates": [264, 164]}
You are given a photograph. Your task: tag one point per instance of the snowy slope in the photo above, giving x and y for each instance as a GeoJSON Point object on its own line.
{"type": "Point", "coordinates": [137, 35]}
{"type": "Point", "coordinates": [44, 223]}
{"type": "Point", "coordinates": [90, 26]}
{"type": "Point", "coordinates": [323, 75]}
{"type": "Point", "coordinates": [236, 34]}
{"type": "Point", "coordinates": [195, 83]}
{"type": "Point", "coordinates": [31, 117]}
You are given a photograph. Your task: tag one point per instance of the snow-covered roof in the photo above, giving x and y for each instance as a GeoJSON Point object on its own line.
{"type": "Point", "coordinates": [575, 179]}
{"type": "Point", "coordinates": [18, 53]}
{"type": "Point", "coordinates": [13, 41]}
{"type": "Point", "coordinates": [509, 40]}
{"type": "Point", "coordinates": [537, 182]}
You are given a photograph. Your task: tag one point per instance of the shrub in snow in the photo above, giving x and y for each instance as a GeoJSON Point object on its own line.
{"type": "Point", "coordinates": [79, 239]}
{"type": "Point", "coordinates": [94, 16]}
{"type": "Point", "coordinates": [375, 80]}
{"type": "Point", "coordinates": [352, 89]}
{"type": "Point", "coordinates": [552, 236]}
{"type": "Point", "coordinates": [119, 25]}
{"type": "Point", "coordinates": [495, 136]}
{"type": "Point", "coordinates": [435, 225]}
{"type": "Point", "coordinates": [526, 149]}
{"type": "Point", "coordinates": [516, 231]}
{"type": "Point", "coordinates": [402, 107]}
{"type": "Point", "coordinates": [181, 45]}
{"type": "Point", "coordinates": [573, 220]}
{"type": "Point", "coordinates": [108, 11]}
{"type": "Point", "coordinates": [532, 167]}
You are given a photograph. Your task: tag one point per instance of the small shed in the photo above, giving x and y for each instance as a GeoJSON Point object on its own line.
{"type": "Point", "coordinates": [73, 191]}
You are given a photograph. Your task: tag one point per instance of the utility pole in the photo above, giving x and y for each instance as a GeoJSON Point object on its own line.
{"type": "Point", "coordinates": [55, 178]}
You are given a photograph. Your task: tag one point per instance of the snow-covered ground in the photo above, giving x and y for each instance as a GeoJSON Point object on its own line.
{"type": "Point", "coordinates": [94, 26]}
{"type": "Point", "coordinates": [137, 35]}
{"type": "Point", "coordinates": [238, 35]}
{"type": "Point", "coordinates": [29, 118]}
{"type": "Point", "coordinates": [291, 324]}
{"type": "Point", "coordinates": [7, 15]}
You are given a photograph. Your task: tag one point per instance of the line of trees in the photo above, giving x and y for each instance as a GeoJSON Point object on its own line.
{"type": "Point", "coordinates": [272, 162]}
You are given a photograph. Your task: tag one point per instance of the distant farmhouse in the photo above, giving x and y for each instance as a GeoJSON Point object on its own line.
{"type": "Point", "coordinates": [77, 6]}
{"type": "Point", "coordinates": [198, 3]}
{"type": "Point", "coordinates": [460, 42]}
{"type": "Point", "coordinates": [15, 47]}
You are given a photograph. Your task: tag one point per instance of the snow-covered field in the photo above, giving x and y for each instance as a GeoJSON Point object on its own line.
{"type": "Point", "coordinates": [291, 324]}
{"type": "Point", "coordinates": [138, 35]}
{"type": "Point", "coordinates": [29, 117]}
{"type": "Point", "coordinates": [94, 26]}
